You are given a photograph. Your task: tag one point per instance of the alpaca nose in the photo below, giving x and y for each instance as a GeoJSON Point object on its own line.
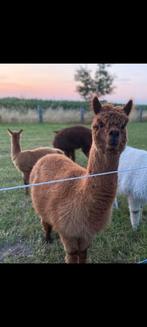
{"type": "Point", "coordinates": [114, 135]}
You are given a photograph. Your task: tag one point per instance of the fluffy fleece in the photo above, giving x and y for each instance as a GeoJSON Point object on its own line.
{"type": "Point", "coordinates": [133, 184]}
{"type": "Point", "coordinates": [78, 209]}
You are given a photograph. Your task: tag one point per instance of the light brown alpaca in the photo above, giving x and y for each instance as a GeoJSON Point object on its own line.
{"type": "Point", "coordinates": [78, 209]}
{"type": "Point", "coordinates": [25, 160]}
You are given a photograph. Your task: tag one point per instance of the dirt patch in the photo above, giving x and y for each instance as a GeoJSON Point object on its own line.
{"type": "Point", "coordinates": [18, 249]}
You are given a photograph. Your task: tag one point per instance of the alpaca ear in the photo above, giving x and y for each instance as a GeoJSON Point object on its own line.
{"type": "Point", "coordinates": [21, 130]}
{"type": "Point", "coordinates": [128, 107]}
{"type": "Point", "coordinates": [96, 105]}
{"type": "Point", "coordinates": [9, 131]}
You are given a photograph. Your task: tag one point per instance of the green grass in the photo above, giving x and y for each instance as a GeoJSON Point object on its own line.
{"type": "Point", "coordinates": [21, 234]}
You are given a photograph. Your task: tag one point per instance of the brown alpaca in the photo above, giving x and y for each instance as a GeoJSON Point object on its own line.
{"type": "Point", "coordinates": [72, 138]}
{"type": "Point", "coordinates": [25, 160]}
{"type": "Point", "coordinates": [78, 209]}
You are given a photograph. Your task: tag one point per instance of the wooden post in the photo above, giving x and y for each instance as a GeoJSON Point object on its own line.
{"type": "Point", "coordinates": [40, 114]}
{"type": "Point", "coordinates": [140, 114]}
{"type": "Point", "coordinates": [82, 111]}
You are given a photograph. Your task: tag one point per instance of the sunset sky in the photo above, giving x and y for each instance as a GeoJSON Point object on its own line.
{"type": "Point", "coordinates": [56, 81]}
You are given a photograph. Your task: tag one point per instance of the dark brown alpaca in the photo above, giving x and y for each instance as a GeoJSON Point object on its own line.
{"type": "Point", "coordinates": [78, 209]}
{"type": "Point", "coordinates": [72, 138]}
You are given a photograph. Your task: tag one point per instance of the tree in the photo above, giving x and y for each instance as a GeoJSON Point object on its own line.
{"type": "Point", "coordinates": [86, 87]}
{"type": "Point", "coordinates": [101, 84]}
{"type": "Point", "coordinates": [103, 80]}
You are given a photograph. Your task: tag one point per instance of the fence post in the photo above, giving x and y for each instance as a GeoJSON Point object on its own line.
{"type": "Point", "coordinates": [40, 114]}
{"type": "Point", "coordinates": [82, 112]}
{"type": "Point", "coordinates": [140, 114]}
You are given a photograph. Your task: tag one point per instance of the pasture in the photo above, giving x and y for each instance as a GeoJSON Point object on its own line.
{"type": "Point", "coordinates": [21, 234]}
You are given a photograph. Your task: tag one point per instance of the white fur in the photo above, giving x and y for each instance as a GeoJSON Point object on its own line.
{"type": "Point", "coordinates": [133, 184]}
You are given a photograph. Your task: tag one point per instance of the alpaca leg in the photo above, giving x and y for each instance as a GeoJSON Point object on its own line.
{"type": "Point", "coordinates": [72, 257]}
{"type": "Point", "coordinates": [72, 155]}
{"type": "Point", "coordinates": [26, 182]}
{"type": "Point", "coordinates": [71, 249]}
{"type": "Point", "coordinates": [83, 256]}
{"type": "Point", "coordinates": [47, 229]}
{"type": "Point", "coordinates": [135, 212]}
{"type": "Point", "coordinates": [86, 151]}
{"type": "Point", "coordinates": [83, 247]}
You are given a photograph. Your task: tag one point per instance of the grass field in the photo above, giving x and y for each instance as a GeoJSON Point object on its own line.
{"type": "Point", "coordinates": [21, 234]}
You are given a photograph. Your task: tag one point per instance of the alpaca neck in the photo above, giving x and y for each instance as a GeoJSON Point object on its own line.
{"type": "Point", "coordinates": [99, 192]}
{"type": "Point", "coordinates": [100, 163]}
{"type": "Point", "coordinates": [15, 148]}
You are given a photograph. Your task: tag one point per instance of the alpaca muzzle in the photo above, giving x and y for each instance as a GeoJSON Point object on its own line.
{"type": "Point", "coordinates": [114, 138]}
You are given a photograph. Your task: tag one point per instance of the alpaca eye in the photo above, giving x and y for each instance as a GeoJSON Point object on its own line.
{"type": "Point", "coordinates": [123, 126]}
{"type": "Point", "coordinates": [101, 124]}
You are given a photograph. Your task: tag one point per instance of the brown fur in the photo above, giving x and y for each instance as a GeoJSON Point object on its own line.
{"type": "Point", "coordinates": [72, 138]}
{"type": "Point", "coordinates": [25, 160]}
{"type": "Point", "coordinates": [78, 209]}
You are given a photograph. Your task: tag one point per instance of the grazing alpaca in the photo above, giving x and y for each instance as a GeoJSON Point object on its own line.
{"type": "Point", "coordinates": [78, 209]}
{"type": "Point", "coordinates": [25, 160]}
{"type": "Point", "coordinates": [72, 138]}
{"type": "Point", "coordinates": [133, 184]}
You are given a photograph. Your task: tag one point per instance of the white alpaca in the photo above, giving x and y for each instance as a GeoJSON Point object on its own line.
{"type": "Point", "coordinates": [133, 184]}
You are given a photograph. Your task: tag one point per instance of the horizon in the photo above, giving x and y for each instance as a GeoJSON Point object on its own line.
{"type": "Point", "coordinates": [55, 82]}
{"type": "Point", "coordinates": [45, 99]}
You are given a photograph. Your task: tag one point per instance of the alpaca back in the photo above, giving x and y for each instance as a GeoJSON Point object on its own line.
{"type": "Point", "coordinates": [133, 182]}
{"type": "Point", "coordinates": [73, 138]}
{"type": "Point", "coordinates": [26, 159]}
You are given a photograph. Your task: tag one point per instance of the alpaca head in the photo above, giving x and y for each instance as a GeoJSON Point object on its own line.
{"type": "Point", "coordinates": [109, 126]}
{"type": "Point", "coordinates": [15, 135]}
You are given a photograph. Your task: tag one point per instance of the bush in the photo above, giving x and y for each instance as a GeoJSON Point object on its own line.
{"type": "Point", "coordinates": [23, 104]}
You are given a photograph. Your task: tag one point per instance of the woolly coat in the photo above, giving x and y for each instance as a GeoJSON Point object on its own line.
{"type": "Point", "coordinates": [133, 182]}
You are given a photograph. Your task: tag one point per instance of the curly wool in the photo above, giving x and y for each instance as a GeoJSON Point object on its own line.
{"type": "Point", "coordinates": [133, 183]}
